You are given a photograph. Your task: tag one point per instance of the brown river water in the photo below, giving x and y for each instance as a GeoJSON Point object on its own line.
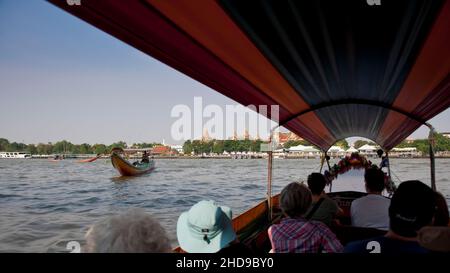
{"type": "Point", "coordinates": [44, 205]}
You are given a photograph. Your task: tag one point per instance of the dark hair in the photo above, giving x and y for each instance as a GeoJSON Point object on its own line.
{"type": "Point", "coordinates": [374, 178]}
{"type": "Point", "coordinates": [441, 215]}
{"type": "Point", "coordinates": [316, 183]}
{"type": "Point", "coordinates": [295, 199]}
{"type": "Point", "coordinates": [412, 207]}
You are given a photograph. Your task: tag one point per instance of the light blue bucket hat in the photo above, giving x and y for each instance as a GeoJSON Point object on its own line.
{"type": "Point", "coordinates": [205, 228]}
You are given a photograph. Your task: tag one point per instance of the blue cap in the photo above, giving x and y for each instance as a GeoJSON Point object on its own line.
{"type": "Point", "coordinates": [205, 228]}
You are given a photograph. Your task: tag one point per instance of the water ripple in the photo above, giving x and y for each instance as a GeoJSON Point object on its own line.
{"type": "Point", "coordinates": [50, 204]}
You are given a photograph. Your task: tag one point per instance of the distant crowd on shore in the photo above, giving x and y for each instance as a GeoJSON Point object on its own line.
{"type": "Point", "coordinates": [414, 220]}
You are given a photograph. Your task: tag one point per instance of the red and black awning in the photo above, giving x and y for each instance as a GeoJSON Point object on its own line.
{"type": "Point", "coordinates": [336, 68]}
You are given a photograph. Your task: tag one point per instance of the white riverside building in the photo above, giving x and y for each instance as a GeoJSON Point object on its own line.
{"type": "Point", "coordinates": [303, 151]}
{"type": "Point", "coordinates": [368, 150]}
{"type": "Point", "coordinates": [14, 155]}
{"type": "Point", "coordinates": [178, 148]}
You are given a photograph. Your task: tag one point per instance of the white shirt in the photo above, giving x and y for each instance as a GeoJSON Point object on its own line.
{"type": "Point", "coordinates": [371, 211]}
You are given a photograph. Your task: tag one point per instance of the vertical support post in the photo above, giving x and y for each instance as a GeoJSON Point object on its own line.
{"type": "Point", "coordinates": [269, 173]}
{"type": "Point", "coordinates": [388, 164]}
{"type": "Point", "coordinates": [327, 159]}
{"type": "Point", "coordinates": [431, 141]}
{"type": "Point", "coordinates": [385, 162]}
{"type": "Point", "coordinates": [269, 183]}
{"type": "Point", "coordinates": [322, 162]}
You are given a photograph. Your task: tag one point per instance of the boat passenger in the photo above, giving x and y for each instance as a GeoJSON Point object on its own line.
{"type": "Point", "coordinates": [412, 207]}
{"type": "Point", "coordinates": [207, 228]}
{"type": "Point", "coordinates": [323, 208]}
{"type": "Point", "coordinates": [441, 215]}
{"type": "Point", "coordinates": [436, 239]}
{"type": "Point", "coordinates": [145, 158]}
{"type": "Point", "coordinates": [371, 211]}
{"type": "Point", "coordinates": [295, 234]}
{"type": "Point", "coordinates": [132, 232]}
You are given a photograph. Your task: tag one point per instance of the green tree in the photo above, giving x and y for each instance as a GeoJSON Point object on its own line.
{"type": "Point", "coordinates": [16, 147]}
{"type": "Point", "coordinates": [44, 149]}
{"type": "Point", "coordinates": [120, 144]}
{"type": "Point", "coordinates": [100, 149]}
{"type": "Point", "coordinates": [197, 147]}
{"type": "Point", "coordinates": [85, 149]}
{"type": "Point", "coordinates": [291, 143]}
{"type": "Point", "coordinates": [63, 147]}
{"type": "Point", "coordinates": [230, 145]}
{"type": "Point", "coordinates": [4, 143]}
{"type": "Point", "coordinates": [187, 147]}
{"type": "Point", "coordinates": [442, 143]}
{"type": "Point", "coordinates": [32, 149]}
{"type": "Point", "coordinates": [256, 146]}
{"type": "Point", "coordinates": [218, 147]}
{"type": "Point", "coordinates": [342, 143]}
{"type": "Point", "coordinates": [359, 143]}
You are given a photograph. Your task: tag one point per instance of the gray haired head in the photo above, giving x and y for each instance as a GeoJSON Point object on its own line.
{"type": "Point", "coordinates": [132, 232]}
{"type": "Point", "coordinates": [295, 199]}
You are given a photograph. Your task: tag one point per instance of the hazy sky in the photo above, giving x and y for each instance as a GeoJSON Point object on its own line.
{"type": "Point", "coordinates": [61, 78]}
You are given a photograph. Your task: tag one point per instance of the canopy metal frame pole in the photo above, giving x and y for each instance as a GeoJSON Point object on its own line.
{"type": "Point", "coordinates": [327, 158]}
{"type": "Point", "coordinates": [322, 162]}
{"type": "Point", "coordinates": [388, 163]}
{"type": "Point", "coordinates": [269, 184]}
{"type": "Point", "coordinates": [269, 173]}
{"type": "Point", "coordinates": [388, 166]}
{"type": "Point", "coordinates": [431, 140]}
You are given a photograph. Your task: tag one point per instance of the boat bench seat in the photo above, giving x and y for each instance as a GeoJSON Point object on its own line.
{"type": "Point", "coordinates": [261, 243]}
{"type": "Point", "coordinates": [346, 233]}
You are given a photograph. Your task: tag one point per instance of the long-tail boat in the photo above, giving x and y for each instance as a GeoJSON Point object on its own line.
{"type": "Point", "coordinates": [126, 168]}
{"type": "Point", "coordinates": [375, 69]}
{"type": "Point", "coordinates": [88, 160]}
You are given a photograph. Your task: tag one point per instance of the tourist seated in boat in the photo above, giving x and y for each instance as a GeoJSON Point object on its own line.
{"type": "Point", "coordinates": [323, 208]}
{"type": "Point", "coordinates": [295, 234]}
{"type": "Point", "coordinates": [412, 208]}
{"type": "Point", "coordinates": [131, 232]}
{"type": "Point", "coordinates": [441, 215]}
{"type": "Point", "coordinates": [145, 158]}
{"type": "Point", "coordinates": [371, 211]}
{"type": "Point", "coordinates": [435, 238]}
{"type": "Point", "coordinates": [207, 228]}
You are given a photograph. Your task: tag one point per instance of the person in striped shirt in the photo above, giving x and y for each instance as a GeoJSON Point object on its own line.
{"type": "Point", "coordinates": [295, 234]}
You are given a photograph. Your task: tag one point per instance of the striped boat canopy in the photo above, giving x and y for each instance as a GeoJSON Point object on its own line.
{"type": "Point", "coordinates": [336, 68]}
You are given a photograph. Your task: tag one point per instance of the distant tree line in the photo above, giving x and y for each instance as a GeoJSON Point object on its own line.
{"type": "Point", "coordinates": [442, 143]}
{"type": "Point", "coordinates": [219, 146]}
{"type": "Point", "coordinates": [65, 147]}
{"type": "Point", "coordinates": [359, 143]}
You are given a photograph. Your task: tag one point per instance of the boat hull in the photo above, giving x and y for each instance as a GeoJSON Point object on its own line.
{"type": "Point", "coordinates": [127, 169]}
